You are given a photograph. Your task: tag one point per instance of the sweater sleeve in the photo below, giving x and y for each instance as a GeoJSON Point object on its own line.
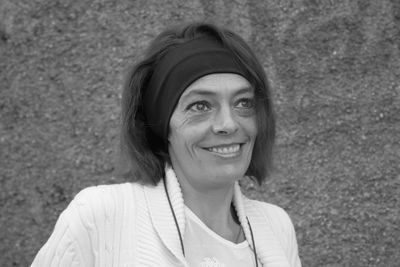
{"type": "Point", "coordinates": [60, 249]}
{"type": "Point", "coordinates": [69, 244]}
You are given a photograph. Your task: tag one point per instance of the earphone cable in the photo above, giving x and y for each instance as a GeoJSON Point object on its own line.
{"type": "Point", "coordinates": [252, 239]}
{"type": "Point", "coordinates": [173, 214]}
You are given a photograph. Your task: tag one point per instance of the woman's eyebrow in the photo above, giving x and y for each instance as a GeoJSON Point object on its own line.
{"type": "Point", "coordinates": [247, 89]}
{"type": "Point", "coordinates": [199, 91]}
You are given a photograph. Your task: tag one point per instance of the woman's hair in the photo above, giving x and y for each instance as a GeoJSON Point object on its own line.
{"type": "Point", "coordinates": [145, 154]}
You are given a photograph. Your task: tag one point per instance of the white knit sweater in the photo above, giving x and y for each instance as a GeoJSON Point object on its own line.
{"type": "Point", "coordinates": [132, 225]}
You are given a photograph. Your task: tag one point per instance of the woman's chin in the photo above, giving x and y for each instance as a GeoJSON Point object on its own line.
{"type": "Point", "coordinates": [226, 174]}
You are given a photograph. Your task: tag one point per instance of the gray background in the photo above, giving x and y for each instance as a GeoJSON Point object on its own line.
{"type": "Point", "coordinates": [334, 67]}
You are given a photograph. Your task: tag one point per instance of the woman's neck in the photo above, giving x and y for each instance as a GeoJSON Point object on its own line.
{"type": "Point", "coordinates": [213, 207]}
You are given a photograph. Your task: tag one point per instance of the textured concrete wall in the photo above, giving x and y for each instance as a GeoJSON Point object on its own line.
{"type": "Point", "coordinates": [334, 67]}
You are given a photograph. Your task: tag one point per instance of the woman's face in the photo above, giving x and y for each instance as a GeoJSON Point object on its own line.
{"type": "Point", "coordinates": [212, 131]}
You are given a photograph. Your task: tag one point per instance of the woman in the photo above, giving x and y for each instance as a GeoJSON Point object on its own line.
{"type": "Point", "coordinates": [197, 117]}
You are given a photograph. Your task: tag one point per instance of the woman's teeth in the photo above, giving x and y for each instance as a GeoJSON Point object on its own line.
{"type": "Point", "coordinates": [225, 149]}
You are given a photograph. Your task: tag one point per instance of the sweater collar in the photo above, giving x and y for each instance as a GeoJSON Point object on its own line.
{"type": "Point", "coordinates": [163, 221]}
{"type": "Point", "coordinates": [161, 215]}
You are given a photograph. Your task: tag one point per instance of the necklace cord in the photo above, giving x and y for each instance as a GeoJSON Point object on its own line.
{"type": "Point", "coordinates": [252, 239]}
{"type": "Point", "coordinates": [173, 214]}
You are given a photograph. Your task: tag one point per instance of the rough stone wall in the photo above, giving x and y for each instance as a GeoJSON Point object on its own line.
{"type": "Point", "coordinates": [334, 67]}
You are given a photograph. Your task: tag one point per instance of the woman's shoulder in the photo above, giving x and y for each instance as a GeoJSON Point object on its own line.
{"type": "Point", "coordinates": [265, 207]}
{"type": "Point", "coordinates": [277, 217]}
{"type": "Point", "coordinates": [94, 215]}
{"type": "Point", "coordinates": [269, 216]}
{"type": "Point", "coordinates": [122, 189]}
{"type": "Point", "coordinates": [102, 200]}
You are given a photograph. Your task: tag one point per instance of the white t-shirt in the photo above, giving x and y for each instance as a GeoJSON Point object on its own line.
{"type": "Point", "coordinates": [205, 248]}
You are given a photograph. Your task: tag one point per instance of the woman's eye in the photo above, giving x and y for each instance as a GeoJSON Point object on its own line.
{"type": "Point", "coordinates": [246, 103]}
{"type": "Point", "coordinates": [199, 106]}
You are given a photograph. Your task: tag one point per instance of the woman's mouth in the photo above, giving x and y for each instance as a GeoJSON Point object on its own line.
{"type": "Point", "coordinates": [225, 150]}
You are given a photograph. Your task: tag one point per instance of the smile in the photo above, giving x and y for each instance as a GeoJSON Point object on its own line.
{"type": "Point", "coordinates": [225, 150]}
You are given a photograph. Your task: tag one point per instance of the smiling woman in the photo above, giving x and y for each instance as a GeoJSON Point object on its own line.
{"type": "Point", "coordinates": [196, 117]}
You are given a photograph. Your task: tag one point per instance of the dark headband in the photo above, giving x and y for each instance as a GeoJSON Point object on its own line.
{"type": "Point", "coordinates": [177, 69]}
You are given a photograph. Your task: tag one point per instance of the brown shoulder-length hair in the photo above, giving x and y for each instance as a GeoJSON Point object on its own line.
{"type": "Point", "coordinates": [143, 152]}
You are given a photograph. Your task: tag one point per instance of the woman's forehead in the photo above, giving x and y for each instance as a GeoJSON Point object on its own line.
{"type": "Point", "coordinates": [218, 83]}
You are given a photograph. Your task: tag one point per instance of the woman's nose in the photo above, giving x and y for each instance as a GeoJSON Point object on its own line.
{"type": "Point", "coordinates": [225, 122]}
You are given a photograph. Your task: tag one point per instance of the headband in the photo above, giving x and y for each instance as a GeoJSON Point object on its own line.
{"type": "Point", "coordinates": [176, 70]}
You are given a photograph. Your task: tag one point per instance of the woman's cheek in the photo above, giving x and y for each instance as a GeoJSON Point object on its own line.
{"type": "Point", "coordinates": [187, 123]}
{"type": "Point", "coordinates": [196, 119]}
{"type": "Point", "coordinates": [246, 113]}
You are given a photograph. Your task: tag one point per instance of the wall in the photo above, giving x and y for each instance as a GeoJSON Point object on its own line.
{"type": "Point", "coordinates": [334, 67]}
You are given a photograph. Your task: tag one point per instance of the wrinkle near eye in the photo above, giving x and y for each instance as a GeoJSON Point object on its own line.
{"type": "Point", "coordinates": [179, 121]}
